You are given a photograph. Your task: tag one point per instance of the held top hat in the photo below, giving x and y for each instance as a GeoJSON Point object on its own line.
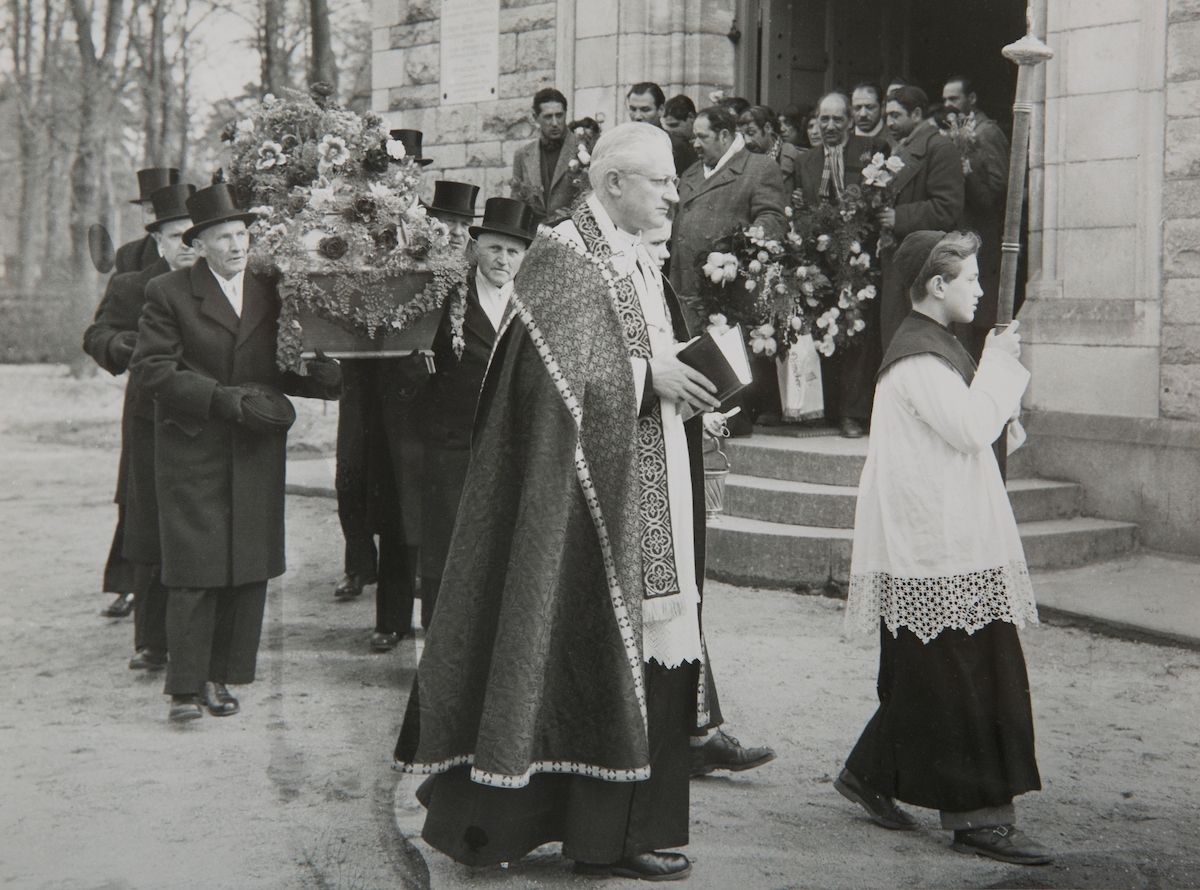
{"type": "Point", "coordinates": [151, 180]}
{"type": "Point", "coordinates": [170, 203]}
{"type": "Point", "coordinates": [507, 216]}
{"type": "Point", "coordinates": [213, 205]}
{"type": "Point", "coordinates": [265, 409]}
{"type": "Point", "coordinates": [454, 198]}
{"type": "Point", "coordinates": [412, 145]}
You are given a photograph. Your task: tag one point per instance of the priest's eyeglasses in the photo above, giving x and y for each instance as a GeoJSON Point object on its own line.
{"type": "Point", "coordinates": [661, 181]}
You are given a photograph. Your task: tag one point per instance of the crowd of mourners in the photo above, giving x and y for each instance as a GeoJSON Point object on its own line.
{"type": "Point", "coordinates": [539, 491]}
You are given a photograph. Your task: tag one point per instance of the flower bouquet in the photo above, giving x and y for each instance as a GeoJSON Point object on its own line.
{"type": "Point", "coordinates": [878, 192]}
{"type": "Point", "coordinates": [357, 259]}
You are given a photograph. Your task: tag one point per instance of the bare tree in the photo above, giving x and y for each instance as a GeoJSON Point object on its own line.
{"type": "Point", "coordinates": [323, 68]}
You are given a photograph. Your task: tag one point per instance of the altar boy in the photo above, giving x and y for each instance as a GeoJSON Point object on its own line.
{"type": "Point", "coordinates": [938, 568]}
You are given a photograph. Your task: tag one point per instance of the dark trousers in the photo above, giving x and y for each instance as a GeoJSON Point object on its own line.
{"type": "Point", "coordinates": [597, 821]}
{"type": "Point", "coordinates": [441, 490]}
{"type": "Point", "coordinates": [848, 376]}
{"type": "Point", "coordinates": [368, 484]}
{"type": "Point", "coordinates": [119, 573]}
{"type": "Point", "coordinates": [149, 610]}
{"type": "Point", "coordinates": [213, 634]}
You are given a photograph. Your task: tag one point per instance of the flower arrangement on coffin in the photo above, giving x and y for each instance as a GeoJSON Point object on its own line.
{"type": "Point", "coordinates": [339, 220]}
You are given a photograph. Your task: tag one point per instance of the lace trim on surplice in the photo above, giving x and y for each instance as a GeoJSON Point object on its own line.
{"type": "Point", "coordinates": [927, 606]}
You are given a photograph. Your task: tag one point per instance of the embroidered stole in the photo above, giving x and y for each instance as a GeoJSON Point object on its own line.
{"type": "Point", "coordinates": [659, 573]}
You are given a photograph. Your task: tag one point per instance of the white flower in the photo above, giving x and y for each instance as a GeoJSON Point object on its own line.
{"type": "Point", "coordinates": [877, 159]}
{"type": "Point", "coordinates": [244, 127]}
{"type": "Point", "coordinates": [573, 165]}
{"type": "Point", "coordinates": [379, 190]}
{"type": "Point", "coordinates": [859, 324]}
{"type": "Point", "coordinates": [796, 322]}
{"type": "Point", "coordinates": [754, 267]}
{"type": "Point", "coordinates": [332, 151]}
{"type": "Point", "coordinates": [763, 256]}
{"type": "Point", "coordinates": [855, 247]}
{"type": "Point", "coordinates": [823, 242]}
{"type": "Point", "coordinates": [261, 210]}
{"type": "Point", "coordinates": [823, 322]}
{"type": "Point", "coordinates": [751, 284]}
{"type": "Point", "coordinates": [585, 156]}
{"type": "Point", "coordinates": [581, 132]}
{"type": "Point", "coordinates": [718, 318]}
{"type": "Point", "coordinates": [320, 197]}
{"type": "Point", "coordinates": [269, 99]}
{"type": "Point", "coordinates": [894, 164]}
{"type": "Point", "coordinates": [867, 293]}
{"type": "Point", "coordinates": [396, 150]}
{"type": "Point", "coordinates": [270, 154]}
{"type": "Point", "coordinates": [813, 302]}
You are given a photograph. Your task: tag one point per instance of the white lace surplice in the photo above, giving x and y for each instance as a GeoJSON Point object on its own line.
{"type": "Point", "coordinates": [676, 639]}
{"type": "Point", "coordinates": [935, 541]}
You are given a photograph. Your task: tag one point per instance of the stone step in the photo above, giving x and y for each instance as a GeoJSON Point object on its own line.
{"type": "Point", "coordinates": [754, 552]}
{"type": "Point", "coordinates": [824, 459]}
{"type": "Point", "coordinates": [832, 506]}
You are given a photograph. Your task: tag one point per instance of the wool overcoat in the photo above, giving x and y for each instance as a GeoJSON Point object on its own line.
{"type": "Point", "coordinates": [747, 190]}
{"type": "Point", "coordinates": [220, 485]}
{"type": "Point", "coordinates": [119, 311]}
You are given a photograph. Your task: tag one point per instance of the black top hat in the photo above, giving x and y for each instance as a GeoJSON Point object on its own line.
{"type": "Point", "coordinates": [213, 205]}
{"type": "Point", "coordinates": [265, 409]}
{"type": "Point", "coordinates": [412, 145]}
{"type": "Point", "coordinates": [456, 198]}
{"type": "Point", "coordinates": [151, 180]}
{"type": "Point", "coordinates": [507, 216]}
{"type": "Point", "coordinates": [170, 202]}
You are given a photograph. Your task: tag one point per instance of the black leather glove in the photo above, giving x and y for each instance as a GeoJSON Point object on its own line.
{"type": "Point", "coordinates": [120, 348]}
{"type": "Point", "coordinates": [326, 372]}
{"type": "Point", "coordinates": [227, 403]}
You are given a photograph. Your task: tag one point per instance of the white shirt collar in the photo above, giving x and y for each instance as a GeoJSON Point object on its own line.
{"type": "Point", "coordinates": [232, 288]}
{"type": "Point", "coordinates": [873, 132]}
{"type": "Point", "coordinates": [627, 247]}
{"type": "Point", "coordinates": [734, 147]}
{"type": "Point", "coordinates": [493, 300]}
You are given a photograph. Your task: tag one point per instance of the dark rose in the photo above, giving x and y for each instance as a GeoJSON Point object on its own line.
{"type": "Point", "coordinates": [288, 141]}
{"type": "Point", "coordinates": [376, 160]}
{"type": "Point", "coordinates": [297, 203]}
{"type": "Point", "coordinates": [333, 247]}
{"type": "Point", "coordinates": [365, 208]}
{"type": "Point", "coordinates": [321, 93]}
{"type": "Point", "coordinates": [229, 131]}
{"type": "Point", "coordinates": [386, 238]}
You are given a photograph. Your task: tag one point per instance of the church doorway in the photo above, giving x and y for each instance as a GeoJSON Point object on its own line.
{"type": "Point", "coordinates": [801, 49]}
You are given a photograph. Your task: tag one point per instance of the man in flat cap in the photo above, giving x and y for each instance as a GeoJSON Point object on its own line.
{"type": "Point", "coordinates": [206, 353]}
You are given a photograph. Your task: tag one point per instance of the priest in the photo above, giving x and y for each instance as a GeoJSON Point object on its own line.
{"type": "Point", "coordinates": [562, 676]}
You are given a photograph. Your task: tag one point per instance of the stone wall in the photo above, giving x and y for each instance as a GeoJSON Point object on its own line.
{"type": "Point", "coordinates": [591, 50]}
{"type": "Point", "coordinates": [1093, 318]}
{"type": "Point", "coordinates": [1181, 216]}
{"type": "Point", "coordinates": [471, 142]}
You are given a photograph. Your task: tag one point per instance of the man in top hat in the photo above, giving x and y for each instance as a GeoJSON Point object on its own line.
{"type": "Point", "coordinates": [411, 140]}
{"type": "Point", "coordinates": [110, 340]}
{"type": "Point", "coordinates": [454, 204]}
{"type": "Point", "coordinates": [120, 575]}
{"type": "Point", "coordinates": [206, 354]}
{"type": "Point", "coordinates": [446, 406]}
{"type": "Point", "coordinates": [139, 254]}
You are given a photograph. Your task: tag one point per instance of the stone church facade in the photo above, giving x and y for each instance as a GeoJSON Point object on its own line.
{"type": "Point", "coordinates": [1112, 316]}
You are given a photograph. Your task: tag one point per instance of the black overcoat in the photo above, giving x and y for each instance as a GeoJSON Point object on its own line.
{"type": "Point", "coordinates": [220, 485]}
{"type": "Point", "coordinates": [119, 311]}
{"type": "Point", "coordinates": [445, 412]}
{"type": "Point", "coordinates": [136, 255]}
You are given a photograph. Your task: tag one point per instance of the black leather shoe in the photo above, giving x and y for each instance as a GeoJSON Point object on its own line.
{"type": "Point", "coordinates": [852, 429]}
{"type": "Point", "coordinates": [350, 586]}
{"type": "Point", "coordinates": [146, 659]}
{"type": "Point", "coordinates": [1004, 842]}
{"type": "Point", "coordinates": [120, 607]}
{"type": "Point", "coordinates": [882, 810]}
{"type": "Point", "coordinates": [184, 708]}
{"type": "Point", "coordinates": [652, 866]}
{"type": "Point", "coordinates": [723, 751]}
{"type": "Point", "coordinates": [384, 642]}
{"type": "Point", "coordinates": [219, 701]}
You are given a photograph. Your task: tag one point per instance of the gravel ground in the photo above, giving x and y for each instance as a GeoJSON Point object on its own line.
{"type": "Point", "coordinates": [296, 791]}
